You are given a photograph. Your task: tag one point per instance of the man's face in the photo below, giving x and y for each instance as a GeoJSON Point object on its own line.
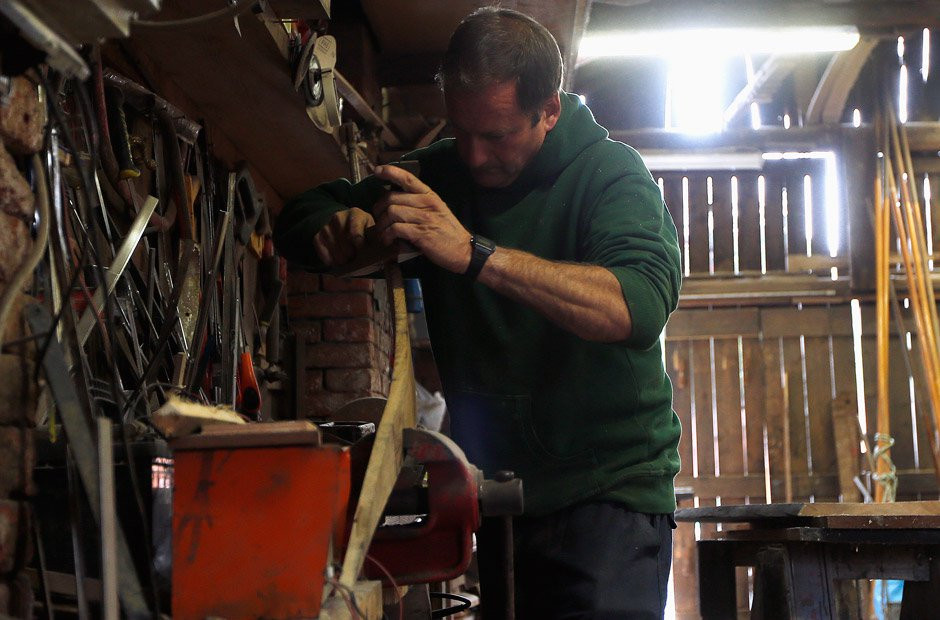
{"type": "Point", "coordinates": [495, 138]}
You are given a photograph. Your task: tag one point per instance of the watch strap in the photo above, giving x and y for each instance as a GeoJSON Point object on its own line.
{"type": "Point", "coordinates": [481, 249]}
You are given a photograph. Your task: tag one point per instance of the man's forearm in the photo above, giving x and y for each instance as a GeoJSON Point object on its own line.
{"type": "Point", "coordinates": [584, 299]}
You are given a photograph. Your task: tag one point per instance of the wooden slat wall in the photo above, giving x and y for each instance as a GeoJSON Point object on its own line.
{"type": "Point", "coordinates": [735, 241]}
{"type": "Point", "coordinates": [754, 386]}
{"type": "Point", "coordinates": [793, 361]}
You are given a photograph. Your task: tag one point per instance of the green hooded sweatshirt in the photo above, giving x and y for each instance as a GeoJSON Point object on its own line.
{"type": "Point", "coordinates": [576, 420]}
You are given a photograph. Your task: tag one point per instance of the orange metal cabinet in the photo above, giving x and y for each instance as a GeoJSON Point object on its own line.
{"type": "Point", "coordinates": [254, 515]}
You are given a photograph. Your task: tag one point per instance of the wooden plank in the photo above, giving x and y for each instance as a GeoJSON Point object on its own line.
{"type": "Point", "coordinates": [770, 289]}
{"type": "Point", "coordinates": [795, 432]}
{"type": "Point", "coordinates": [368, 597]}
{"type": "Point", "coordinates": [672, 196]}
{"type": "Point", "coordinates": [702, 394]}
{"type": "Point", "coordinates": [723, 231]}
{"type": "Point", "coordinates": [845, 415]}
{"type": "Point", "coordinates": [705, 487]}
{"type": "Point", "coordinates": [217, 69]}
{"type": "Point", "coordinates": [819, 394]}
{"type": "Point", "coordinates": [857, 173]}
{"type": "Point", "coordinates": [774, 240]}
{"type": "Point", "coordinates": [386, 457]}
{"type": "Point", "coordinates": [775, 412]}
{"type": "Point", "coordinates": [846, 446]}
{"type": "Point", "coordinates": [678, 368]}
{"type": "Point", "coordinates": [789, 322]}
{"type": "Point", "coordinates": [699, 238]}
{"type": "Point", "coordinates": [755, 407]}
{"type": "Point", "coordinates": [899, 398]}
{"type": "Point", "coordinates": [814, 509]}
{"type": "Point", "coordinates": [717, 323]}
{"type": "Point", "coordinates": [749, 233]}
{"type": "Point", "coordinates": [703, 389]}
{"type": "Point", "coordinates": [730, 456]}
{"type": "Point", "coordinates": [685, 568]}
{"type": "Point", "coordinates": [796, 210]}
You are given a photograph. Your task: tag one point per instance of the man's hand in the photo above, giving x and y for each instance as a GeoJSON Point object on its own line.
{"type": "Point", "coordinates": [337, 242]}
{"type": "Point", "coordinates": [419, 216]}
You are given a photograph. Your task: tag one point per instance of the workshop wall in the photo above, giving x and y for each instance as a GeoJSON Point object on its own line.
{"type": "Point", "coordinates": [21, 127]}
{"type": "Point", "coordinates": [343, 341]}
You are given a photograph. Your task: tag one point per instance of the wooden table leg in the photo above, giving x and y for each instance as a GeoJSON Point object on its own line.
{"type": "Point", "coordinates": [921, 599]}
{"type": "Point", "coordinates": [716, 585]}
{"type": "Point", "coordinates": [811, 594]}
{"type": "Point", "coordinates": [772, 590]}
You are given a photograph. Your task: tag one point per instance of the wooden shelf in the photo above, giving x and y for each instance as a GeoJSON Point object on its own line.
{"type": "Point", "coordinates": [241, 86]}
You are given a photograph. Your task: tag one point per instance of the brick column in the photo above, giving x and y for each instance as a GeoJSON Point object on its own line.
{"type": "Point", "coordinates": [22, 119]}
{"type": "Point", "coordinates": [344, 341]}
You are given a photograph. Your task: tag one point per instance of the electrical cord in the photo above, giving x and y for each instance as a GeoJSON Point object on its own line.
{"type": "Point", "coordinates": [233, 10]}
{"type": "Point", "coordinates": [349, 597]}
{"type": "Point", "coordinates": [39, 247]}
{"type": "Point", "coordinates": [391, 580]}
{"type": "Point", "coordinates": [464, 604]}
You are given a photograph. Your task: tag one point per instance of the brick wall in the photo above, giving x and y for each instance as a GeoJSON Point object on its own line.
{"type": "Point", "coordinates": [21, 122]}
{"type": "Point", "coordinates": [344, 341]}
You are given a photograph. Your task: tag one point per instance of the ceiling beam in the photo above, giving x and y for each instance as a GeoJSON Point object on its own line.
{"type": "Point", "coordinates": [762, 86]}
{"type": "Point", "coordinates": [878, 15]}
{"type": "Point", "coordinates": [921, 137]}
{"type": "Point", "coordinates": [828, 101]}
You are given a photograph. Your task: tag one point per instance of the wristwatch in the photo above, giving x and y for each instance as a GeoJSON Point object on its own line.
{"type": "Point", "coordinates": [480, 249]}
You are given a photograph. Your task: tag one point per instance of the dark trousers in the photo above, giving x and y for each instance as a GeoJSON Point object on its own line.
{"type": "Point", "coordinates": [595, 560]}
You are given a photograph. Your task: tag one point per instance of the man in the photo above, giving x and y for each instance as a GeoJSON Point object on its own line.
{"type": "Point", "coordinates": [549, 268]}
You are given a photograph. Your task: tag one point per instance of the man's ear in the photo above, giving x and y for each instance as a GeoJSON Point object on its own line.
{"type": "Point", "coordinates": [551, 110]}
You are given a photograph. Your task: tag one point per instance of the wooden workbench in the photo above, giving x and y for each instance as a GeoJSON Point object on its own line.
{"type": "Point", "coordinates": [800, 550]}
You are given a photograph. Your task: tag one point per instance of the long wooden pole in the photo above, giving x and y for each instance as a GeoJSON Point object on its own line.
{"type": "Point", "coordinates": [881, 311]}
{"type": "Point", "coordinates": [928, 347]}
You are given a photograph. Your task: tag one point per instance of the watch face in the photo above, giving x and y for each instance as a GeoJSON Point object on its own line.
{"type": "Point", "coordinates": [483, 245]}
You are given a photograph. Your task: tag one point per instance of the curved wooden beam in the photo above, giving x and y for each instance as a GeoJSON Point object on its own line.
{"type": "Point", "coordinates": [385, 460]}
{"type": "Point", "coordinates": [828, 101]}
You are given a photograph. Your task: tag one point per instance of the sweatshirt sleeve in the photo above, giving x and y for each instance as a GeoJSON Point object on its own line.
{"type": "Point", "coordinates": [303, 216]}
{"type": "Point", "coordinates": [629, 231]}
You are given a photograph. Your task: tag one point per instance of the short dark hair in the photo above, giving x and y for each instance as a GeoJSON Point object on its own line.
{"type": "Point", "coordinates": [492, 45]}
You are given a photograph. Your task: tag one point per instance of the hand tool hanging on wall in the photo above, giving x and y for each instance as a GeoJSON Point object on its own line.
{"type": "Point", "coordinates": [83, 448]}
{"type": "Point", "coordinates": [248, 400]}
{"type": "Point", "coordinates": [120, 138]}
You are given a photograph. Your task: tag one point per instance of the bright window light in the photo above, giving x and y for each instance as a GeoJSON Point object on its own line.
{"type": "Point", "coordinates": [696, 98]}
{"type": "Point", "coordinates": [666, 161]}
{"type": "Point", "coordinates": [831, 192]}
{"type": "Point", "coordinates": [925, 56]}
{"type": "Point", "coordinates": [902, 94]}
{"type": "Point", "coordinates": [786, 121]}
{"type": "Point", "coordinates": [856, 118]}
{"type": "Point", "coordinates": [859, 369]}
{"type": "Point", "coordinates": [719, 41]}
{"type": "Point", "coordinates": [755, 115]}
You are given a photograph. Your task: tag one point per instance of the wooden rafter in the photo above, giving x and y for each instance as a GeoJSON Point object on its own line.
{"type": "Point", "coordinates": [762, 87]}
{"type": "Point", "coordinates": [840, 76]}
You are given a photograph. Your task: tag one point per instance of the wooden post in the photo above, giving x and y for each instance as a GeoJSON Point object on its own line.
{"type": "Point", "coordinates": [857, 162]}
{"type": "Point", "coordinates": [845, 431]}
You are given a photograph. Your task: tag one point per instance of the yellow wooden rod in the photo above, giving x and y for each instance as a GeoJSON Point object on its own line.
{"type": "Point", "coordinates": [916, 278]}
{"type": "Point", "coordinates": [925, 349]}
{"type": "Point", "coordinates": [906, 167]}
{"type": "Point", "coordinates": [881, 310]}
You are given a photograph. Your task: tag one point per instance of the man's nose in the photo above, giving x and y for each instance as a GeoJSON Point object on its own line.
{"type": "Point", "coordinates": [476, 153]}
